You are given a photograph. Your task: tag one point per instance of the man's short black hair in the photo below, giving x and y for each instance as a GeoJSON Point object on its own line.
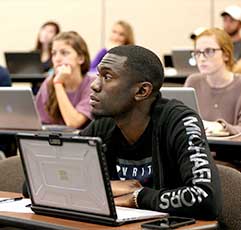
{"type": "Point", "coordinates": [142, 63]}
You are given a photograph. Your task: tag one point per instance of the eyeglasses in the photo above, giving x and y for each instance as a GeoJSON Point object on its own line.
{"type": "Point", "coordinates": [207, 53]}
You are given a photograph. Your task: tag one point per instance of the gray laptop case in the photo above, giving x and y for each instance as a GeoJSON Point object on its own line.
{"type": "Point", "coordinates": [68, 177]}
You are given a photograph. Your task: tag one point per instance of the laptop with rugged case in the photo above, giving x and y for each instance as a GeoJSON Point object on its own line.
{"type": "Point", "coordinates": [68, 178]}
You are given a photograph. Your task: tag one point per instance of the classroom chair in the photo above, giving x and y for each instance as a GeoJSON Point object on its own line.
{"type": "Point", "coordinates": [11, 174]}
{"type": "Point", "coordinates": [230, 218]}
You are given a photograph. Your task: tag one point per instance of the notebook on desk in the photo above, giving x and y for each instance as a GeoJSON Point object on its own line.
{"type": "Point", "coordinates": [18, 111]}
{"type": "Point", "coordinates": [24, 64]}
{"type": "Point", "coordinates": [68, 178]}
{"type": "Point", "coordinates": [183, 62]}
{"type": "Point", "coordinates": [187, 95]}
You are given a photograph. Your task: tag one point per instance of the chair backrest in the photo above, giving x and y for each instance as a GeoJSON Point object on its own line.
{"type": "Point", "coordinates": [11, 174]}
{"type": "Point", "coordinates": [230, 217]}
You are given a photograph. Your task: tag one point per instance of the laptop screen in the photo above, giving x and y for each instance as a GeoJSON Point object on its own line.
{"type": "Point", "coordinates": [24, 63]}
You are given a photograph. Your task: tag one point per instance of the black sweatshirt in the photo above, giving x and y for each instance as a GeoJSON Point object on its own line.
{"type": "Point", "coordinates": [185, 178]}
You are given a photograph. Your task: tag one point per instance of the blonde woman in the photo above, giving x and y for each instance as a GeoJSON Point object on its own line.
{"type": "Point", "coordinates": [121, 34]}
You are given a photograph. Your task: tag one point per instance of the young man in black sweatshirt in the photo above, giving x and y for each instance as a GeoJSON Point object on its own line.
{"type": "Point", "coordinates": [156, 149]}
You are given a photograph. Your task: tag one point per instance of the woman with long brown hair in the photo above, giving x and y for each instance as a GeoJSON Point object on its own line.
{"type": "Point", "coordinates": [64, 97]}
{"type": "Point", "coordinates": [44, 41]}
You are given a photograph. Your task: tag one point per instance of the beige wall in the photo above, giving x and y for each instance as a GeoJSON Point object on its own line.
{"type": "Point", "coordinates": [158, 24]}
{"type": "Point", "coordinates": [21, 20]}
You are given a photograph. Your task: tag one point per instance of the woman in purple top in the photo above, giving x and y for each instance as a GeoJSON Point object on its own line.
{"type": "Point", "coordinates": [121, 34]}
{"type": "Point", "coordinates": [64, 97]}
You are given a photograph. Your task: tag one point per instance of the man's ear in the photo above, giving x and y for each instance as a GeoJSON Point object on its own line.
{"type": "Point", "coordinates": [144, 90]}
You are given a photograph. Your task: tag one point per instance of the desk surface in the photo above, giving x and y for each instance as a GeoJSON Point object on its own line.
{"type": "Point", "coordinates": [177, 79]}
{"type": "Point", "coordinates": [28, 77]}
{"type": "Point", "coordinates": [34, 218]}
{"type": "Point", "coordinates": [226, 148]}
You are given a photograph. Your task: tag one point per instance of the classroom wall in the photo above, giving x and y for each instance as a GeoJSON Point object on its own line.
{"type": "Point", "coordinates": [158, 24]}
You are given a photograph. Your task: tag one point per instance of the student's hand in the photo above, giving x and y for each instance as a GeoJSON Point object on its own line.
{"type": "Point", "coordinates": [212, 127]}
{"type": "Point", "coordinates": [125, 201]}
{"type": "Point", "coordinates": [120, 188]}
{"type": "Point", "coordinates": [62, 73]}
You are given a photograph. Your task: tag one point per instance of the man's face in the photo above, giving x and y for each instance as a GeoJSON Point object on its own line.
{"type": "Point", "coordinates": [230, 25]}
{"type": "Point", "coordinates": [113, 90]}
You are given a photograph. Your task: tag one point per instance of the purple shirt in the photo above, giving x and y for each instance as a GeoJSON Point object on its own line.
{"type": "Point", "coordinates": [97, 59]}
{"type": "Point", "coordinates": [79, 99]}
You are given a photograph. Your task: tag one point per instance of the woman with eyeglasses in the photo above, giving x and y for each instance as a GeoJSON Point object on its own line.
{"type": "Point", "coordinates": [217, 87]}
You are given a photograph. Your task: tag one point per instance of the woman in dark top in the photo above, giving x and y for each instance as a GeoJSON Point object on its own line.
{"type": "Point", "coordinates": [7, 142]}
{"type": "Point", "coordinates": [43, 45]}
{"type": "Point", "coordinates": [45, 37]}
{"type": "Point", "coordinates": [5, 79]}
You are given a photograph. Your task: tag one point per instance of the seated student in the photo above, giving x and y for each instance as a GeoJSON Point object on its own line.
{"type": "Point", "coordinates": [5, 79]}
{"type": "Point", "coordinates": [217, 87]}
{"type": "Point", "coordinates": [43, 45]}
{"type": "Point", "coordinates": [196, 32]}
{"type": "Point", "coordinates": [64, 96]}
{"type": "Point", "coordinates": [7, 142]}
{"type": "Point", "coordinates": [44, 41]}
{"type": "Point", "coordinates": [121, 34]}
{"type": "Point", "coordinates": [231, 16]}
{"type": "Point", "coordinates": [156, 149]}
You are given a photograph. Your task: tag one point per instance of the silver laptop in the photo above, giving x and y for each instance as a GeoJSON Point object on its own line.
{"type": "Point", "coordinates": [68, 177]}
{"type": "Point", "coordinates": [24, 64]}
{"type": "Point", "coordinates": [18, 111]}
{"type": "Point", "coordinates": [183, 62]}
{"type": "Point", "coordinates": [187, 95]}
